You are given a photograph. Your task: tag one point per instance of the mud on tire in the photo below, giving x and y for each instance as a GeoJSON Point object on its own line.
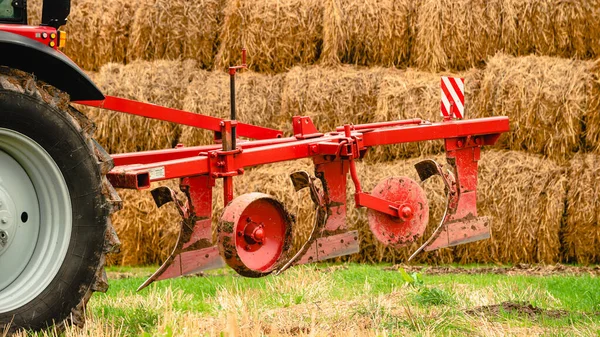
{"type": "Point", "coordinates": [36, 113]}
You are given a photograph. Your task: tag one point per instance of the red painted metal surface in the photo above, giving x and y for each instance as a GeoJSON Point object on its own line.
{"type": "Point", "coordinates": [194, 250]}
{"type": "Point", "coordinates": [412, 212]}
{"type": "Point", "coordinates": [254, 232]}
{"type": "Point", "coordinates": [178, 116]}
{"type": "Point", "coordinates": [46, 35]}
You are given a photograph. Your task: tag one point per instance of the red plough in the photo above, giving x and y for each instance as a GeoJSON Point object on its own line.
{"type": "Point", "coordinates": [255, 229]}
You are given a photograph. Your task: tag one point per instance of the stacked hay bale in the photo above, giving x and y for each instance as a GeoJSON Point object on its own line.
{"type": "Point", "coordinates": [415, 94]}
{"type": "Point", "coordinates": [450, 34]}
{"type": "Point", "coordinates": [161, 82]}
{"type": "Point", "coordinates": [331, 97]}
{"type": "Point", "coordinates": [98, 32]}
{"type": "Point", "coordinates": [367, 32]}
{"type": "Point", "coordinates": [277, 34]}
{"type": "Point", "coordinates": [147, 234]}
{"type": "Point", "coordinates": [258, 98]}
{"type": "Point", "coordinates": [545, 98]}
{"type": "Point", "coordinates": [581, 231]}
{"type": "Point", "coordinates": [550, 27]}
{"type": "Point", "coordinates": [172, 30]}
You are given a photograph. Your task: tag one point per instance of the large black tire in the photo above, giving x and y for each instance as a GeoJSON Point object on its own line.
{"type": "Point", "coordinates": [42, 113]}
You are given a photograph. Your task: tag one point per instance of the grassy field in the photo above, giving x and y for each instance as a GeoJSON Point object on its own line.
{"type": "Point", "coordinates": [349, 300]}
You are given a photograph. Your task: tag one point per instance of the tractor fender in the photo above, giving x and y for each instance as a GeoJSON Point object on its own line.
{"type": "Point", "coordinates": [48, 65]}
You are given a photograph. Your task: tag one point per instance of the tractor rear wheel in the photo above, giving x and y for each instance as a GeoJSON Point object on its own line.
{"type": "Point", "coordinates": [55, 205]}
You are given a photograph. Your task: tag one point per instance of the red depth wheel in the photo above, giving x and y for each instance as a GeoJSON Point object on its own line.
{"type": "Point", "coordinates": [254, 233]}
{"type": "Point", "coordinates": [414, 212]}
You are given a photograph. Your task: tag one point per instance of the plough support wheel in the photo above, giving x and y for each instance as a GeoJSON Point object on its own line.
{"type": "Point", "coordinates": [254, 234]}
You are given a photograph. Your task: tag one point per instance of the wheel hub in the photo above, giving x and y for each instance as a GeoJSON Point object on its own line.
{"type": "Point", "coordinates": [7, 221]}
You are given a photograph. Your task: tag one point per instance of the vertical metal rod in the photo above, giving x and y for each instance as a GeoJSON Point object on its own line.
{"type": "Point", "coordinates": [232, 117]}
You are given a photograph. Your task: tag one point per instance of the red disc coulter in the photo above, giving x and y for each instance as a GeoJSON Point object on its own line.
{"type": "Point", "coordinates": [413, 212]}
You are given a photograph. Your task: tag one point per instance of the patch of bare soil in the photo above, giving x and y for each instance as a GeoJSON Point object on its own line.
{"type": "Point", "coordinates": [520, 308]}
{"type": "Point", "coordinates": [519, 269]}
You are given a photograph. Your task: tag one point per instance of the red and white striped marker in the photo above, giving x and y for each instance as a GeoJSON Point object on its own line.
{"type": "Point", "coordinates": [453, 97]}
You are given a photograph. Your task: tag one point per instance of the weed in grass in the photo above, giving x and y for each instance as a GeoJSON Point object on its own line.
{"type": "Point", "coordinates": [433, 296]}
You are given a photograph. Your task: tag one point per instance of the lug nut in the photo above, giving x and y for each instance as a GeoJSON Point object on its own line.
{"type": "Point", "coordinates": [4, 220]}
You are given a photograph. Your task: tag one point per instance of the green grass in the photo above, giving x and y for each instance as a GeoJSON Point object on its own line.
{"type": "Point", "coordinates": [343, 300]}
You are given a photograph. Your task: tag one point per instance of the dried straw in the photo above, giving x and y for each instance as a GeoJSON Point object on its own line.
{"type": "Point", "coordinates": [160, 82]}
{"type": "Point", "coordinates": [550, 27]}
{"type": "Point", "coordinates": [414, 94]}
{"type": "Point", "coordinates": [331, 97]}
{"type": "Point", "coordinates": [367, 32]}
{"type": "Point", "coordinates": [581, 233]}
{"type": "Point", "coordinates": [277, 34]}
{"type": "Point", "coordinates": [545, 98]}
{"type": "Point", "coordinates": [450, 34]}
{"type": "Point", "coordinates": [172, 30]}
{"type": "Point", "coordinates": [525, 194]}
{"type": "Point", "coordinates": [258, 101]}
{"type": "Point", "coordinates": [147, 234]}
{"type": "Point", "coordinates": [98, 32]}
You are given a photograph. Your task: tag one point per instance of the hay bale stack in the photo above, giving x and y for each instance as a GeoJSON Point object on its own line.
{"type": "Point", "coordinates": [160, 82]}
{"type": "Point", "coordinates": [581, 234]}
{"type": "Point", "coordinates": [277, 34]}
{"type": "Point", "coordinates": [173, 30]}
{"type": "Point", "coordinates": [258, 101]}
{"type": "Point", "coordinates": [414, 94]}
{"type": "Point", "coordinates": [458, 35]}
{"type": "Point", "coordinates": [550, 27]}
{"type": "Point", "coordinates": [98, 32]}
{"type": "Point", "coordinates": [367, 32]}
{"type": "Point", "coordinates": [331, 96]}
{"type": "Point", "coordinates": [545, 98]}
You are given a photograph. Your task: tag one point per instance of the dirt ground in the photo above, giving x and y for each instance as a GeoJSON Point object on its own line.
{"type": "Point", "coordinates": [519, 269]}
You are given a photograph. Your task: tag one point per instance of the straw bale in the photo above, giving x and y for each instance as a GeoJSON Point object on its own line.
{"type": "Point", "coordinates": [147, 234]}
{"type": "Point", "coordinates": [185, 29]}
{"type": "Point", "coordinates": [550, 27]}
{"type": "Point", "coordinates": [98, 32]}
{"type": "Point", "coordinates": [525, 194]}
{"type": "Point", "coordinates": [277, 34]}
{"type": "Point", "coordinates": [581, 233]}
{"type": "Point", "coordinates": [546, 99]}
{"type": "Point", "coordinates": [34, 12]}
{"type": "Point", "coordinates": [258, 101]}
{"type": "Point", "coordinates": [367, 32]}
{"type": "Point", "coordinates": [592, 117]}
{"type": "Point", "coordinates": [451, 34]}
{"type": "Point", "coordinates": [414, 94]}
{"type": "Point", "coordinates": [160, 82]}
{"type": "Point", "coordinates": [331, 96]}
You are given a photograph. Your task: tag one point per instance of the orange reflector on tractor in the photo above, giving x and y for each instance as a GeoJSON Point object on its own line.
{"type": "Point", "coordinates": [62, 39]}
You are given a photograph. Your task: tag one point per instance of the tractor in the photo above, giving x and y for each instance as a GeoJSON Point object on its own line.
{"type": "Point", "coordinates": [57, 184]}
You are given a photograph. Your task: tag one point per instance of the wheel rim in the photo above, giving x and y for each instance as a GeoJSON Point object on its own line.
{"type": "Point", "coordinates": [35, 219]}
